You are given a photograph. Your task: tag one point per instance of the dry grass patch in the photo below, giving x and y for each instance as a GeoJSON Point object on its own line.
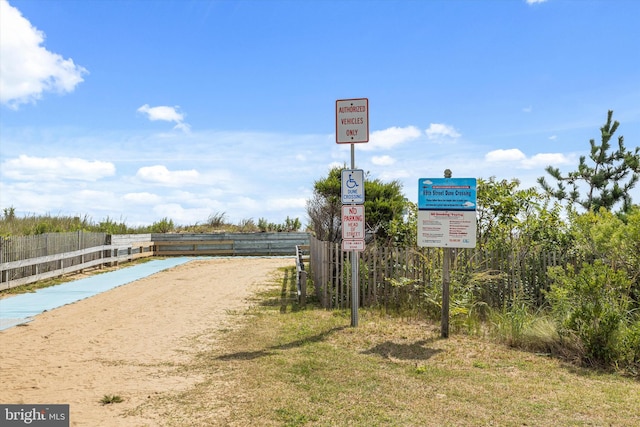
{"type": "Point", "coordinates": [289, 367]}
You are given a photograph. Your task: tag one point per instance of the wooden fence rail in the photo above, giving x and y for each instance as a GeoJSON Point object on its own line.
{"type": "Point", "coordinates": [391, 275]}
{"type": "Point", "coordinates": [28, 259]}
{"type": "Point", "coordinates": [230, 244]}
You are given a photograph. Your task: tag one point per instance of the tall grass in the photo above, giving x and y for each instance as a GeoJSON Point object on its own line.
{"type": "Point", "coordinates": [13, 225]}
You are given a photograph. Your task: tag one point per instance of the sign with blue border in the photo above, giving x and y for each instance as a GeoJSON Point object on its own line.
{"type": "Point", "coordinates": [352, 186]}
{"type": "Point", "coordinates": [447, 194]}
{"type": "Point", "coordinates": [447, 212]}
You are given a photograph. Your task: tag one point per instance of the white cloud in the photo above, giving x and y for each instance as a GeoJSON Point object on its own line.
{"type": "Point", "coordinates": [511, 155]}
{"type": "Point", "coordinates": [245, 204]}
{"type": "Point", "coordinates": [535, 1]}
{"type": "Point", "coordinates": [440, 131]}
{"type": "Point", "coordinates": [383, 160]}
{"type": "Point", "coordinates": [545, 159]}
{"type": "Point", "coordinates": [390, 137]}
{"type": "Point", "coordinates": [333, 165]}
{"type": "Point", "coordinates": [47, 168]}
{"type": "Point", "coordinates": [27, 69]}
{"type": "Point", "coordinates": [394, 174]}
{"type": "Point", "coordinates": [516, 156]}
{"type": "Point", "coordinates": [527, 109]}
{"type": "Point", "coordinates": [167, 114]}
{"type": "Point", "coordinates": [96, 198]}
{"type": "Point", "coordinates": [286, 203]}
{"type": "Point", "coordinates": [161, 175]}
{"type": "Point", "coordinates": [143, 198]}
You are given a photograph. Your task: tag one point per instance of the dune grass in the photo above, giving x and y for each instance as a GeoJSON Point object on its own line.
{"type": "Point", "coordinates": [287, 366]}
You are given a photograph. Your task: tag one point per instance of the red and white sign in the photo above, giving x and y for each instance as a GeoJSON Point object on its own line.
{"type": "Point", "coordinates": [353, 245]}
{"type": "Point", "coordinates": [353, 222]}
{"type": "Point", "coordinates": [352, 120]}
{"type": "Point", "coordinates": [447, 229]}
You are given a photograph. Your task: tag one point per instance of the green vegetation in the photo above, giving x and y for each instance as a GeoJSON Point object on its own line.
{"type": "Point", "coordinates": [384, 204]}
{"type": "Point", "coordinates": [608, 181]}
{"type": "Point", "coordinates": [587, 311]}
{"type": "Point", "coordinates": [12, 225]}
{"type": "Point", "coordinates": [109, 399]}
{"type": "Point", "coordinates": [287, 366]}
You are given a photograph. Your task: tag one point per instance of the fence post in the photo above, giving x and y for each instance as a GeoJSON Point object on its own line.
{"type": "Point", "coordinates": [303, 288]}
{"type": "Point", "coordinates": [3, 274]}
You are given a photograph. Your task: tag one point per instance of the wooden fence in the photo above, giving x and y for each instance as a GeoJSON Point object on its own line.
{"type": "Point", "coordinates": [28, 259]}
{"type": "Point", "coordinates": [230, 244]}
{"type": "Point", "coordinates": [391, 275]}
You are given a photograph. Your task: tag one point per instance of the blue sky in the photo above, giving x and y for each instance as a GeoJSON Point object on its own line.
{"type": "Point", "coordinates": [141, 110]}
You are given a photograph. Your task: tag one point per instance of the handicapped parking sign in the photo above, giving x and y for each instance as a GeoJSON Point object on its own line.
{"type": "Point", "coordinates": [352, 186]}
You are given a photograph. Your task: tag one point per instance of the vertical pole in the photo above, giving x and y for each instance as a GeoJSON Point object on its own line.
{"type": "Point", "coordinates": [354, 266]}
{"type": "Point", "coordinates": [446, 281]}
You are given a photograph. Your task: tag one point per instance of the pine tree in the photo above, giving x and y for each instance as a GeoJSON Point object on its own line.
{"type": "Point", "coordinates": [609, 178]}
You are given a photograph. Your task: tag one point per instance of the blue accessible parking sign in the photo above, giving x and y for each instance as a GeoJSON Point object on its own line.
{"type": "Point", "coordinates": [352, 186]}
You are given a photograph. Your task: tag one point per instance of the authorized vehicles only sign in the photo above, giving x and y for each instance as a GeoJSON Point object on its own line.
{"type": "Point", "coordinates": [352, 120]}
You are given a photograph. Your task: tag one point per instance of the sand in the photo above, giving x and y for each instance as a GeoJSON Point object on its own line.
{"type": "Point", "coordinates": [129, 341]}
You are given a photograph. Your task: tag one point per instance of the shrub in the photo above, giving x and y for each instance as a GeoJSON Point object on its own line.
{"type": "Point", "coordinates": [165, 225]}
{"type": "Point", "coordinates": [630, 347]}
{"type": "Point", "coordinates": [592, 304]}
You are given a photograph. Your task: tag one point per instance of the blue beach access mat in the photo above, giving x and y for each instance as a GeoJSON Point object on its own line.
{"type": "Point", "coordinates": [21, 308]}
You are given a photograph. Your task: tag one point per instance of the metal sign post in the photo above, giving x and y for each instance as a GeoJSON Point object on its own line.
{"type": "Point", "coordinates": [352, 126]}
{"type": "Point", "coordinates": [446, 284]}
{"type": "Point", "coordinates": [355, 260]}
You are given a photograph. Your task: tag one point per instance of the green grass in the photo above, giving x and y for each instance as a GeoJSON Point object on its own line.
{"type": "Point", "coordinates": [287, 366]}
{"type": "Point", "coordinates": [31, 224]}
{"type": "Point", "coordinates": [109, 399]}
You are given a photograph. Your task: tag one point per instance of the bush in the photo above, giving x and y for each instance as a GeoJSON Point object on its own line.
{"type": "Point", "coordinates": [289, 225]}
{"type": "Point", "coordinates": [165, 225]}
{"type": "Point", "coordinates": [630, 347]}
{"type": "Point", "coordinates": [593, 304]}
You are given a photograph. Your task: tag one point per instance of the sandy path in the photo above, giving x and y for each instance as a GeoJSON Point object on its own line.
{"type": "Point", "coordinates": [128, 341]}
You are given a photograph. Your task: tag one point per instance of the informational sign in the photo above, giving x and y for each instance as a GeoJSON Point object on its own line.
{"type": "Point", "coordinates": [353, 245]}
{"type": "Point", "coordinates": [450, 194]}
{"type": "Point", "coordinates": [447, 229]}
{"type": "Point", "coordinates": [352, 186]}
{"type": "Point", "coordinates": [353, 222]}
{"type": "Point", "coordinates": [352, 121]}
{"type": "Point", "coordinates": [447, 212]}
